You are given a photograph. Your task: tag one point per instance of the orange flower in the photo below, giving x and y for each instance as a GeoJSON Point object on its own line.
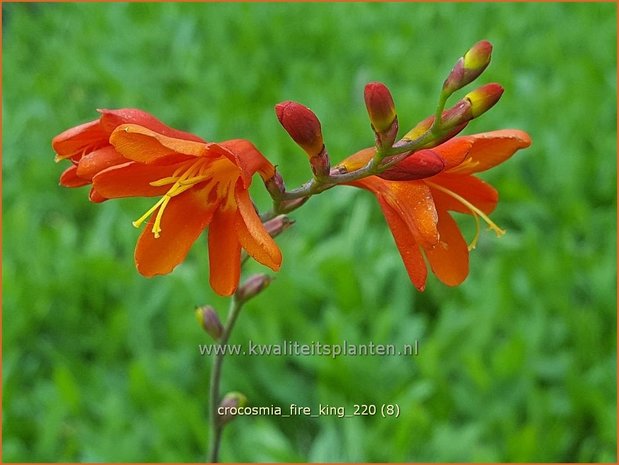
{"type": "Point", "coordinates": [202, 185]}
{"type": "Point", "coordinates": [89, 149]}
{"type": "Point", "coordinates": [417, 193]}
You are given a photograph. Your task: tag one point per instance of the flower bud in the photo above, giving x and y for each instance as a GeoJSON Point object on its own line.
{"type": "Point", "coordinates": [253, 286]}
{"type": "Point", "coordinates": [208, 319]}
{"type": "Point", "coordinates": [302, 125]}
{"type": "Point", "coordinates": [229, 406]}
{"type": "Point", "coordinates": [278, 225]}
{"type": "Point", "coordinates": [380, 106]}
{"type": "Point", "coordinates": [383, 117]}
{"type": "Point", "coordinates": [469, 67]}
{"type": "Point", "coordinates": [419, 165]}
{"type": "Point", "coordinates": [304, 128]}
{"type": "Point", "coordinates": [484, 98]}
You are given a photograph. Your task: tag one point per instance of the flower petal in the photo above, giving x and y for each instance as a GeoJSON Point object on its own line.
{"type": "Point", "coordinates": [407, 245]}
{"type": "Point", "coordinates": [132, 180]}
{"type": "Point", "coordinates": [111, 119]}
{"type": "Point", "coordinates": [185, 217]}
{"type": "Point", "coordinates": [69, 178]}
{"type": "Point", "coordinates": [224, 252]}
{"type": "Point", "coordinates": [474, 190]}
{"type": "Point", "coordinates": [248, 158]}
{"type": "Point", "coordinates": [449, 259]}
{"type": "Point", "coordinates": [73, 142]}
{"type": "Point", "coordinates": [145, 146]}
{"type": "Point", "coordinates": [253, 236]}
{"type": "Point", "coordinates": [491, 148]}
{"type": "Point", "coordinates": [412, 200]}
{"type": "Point", "coordinates": [98, 160]}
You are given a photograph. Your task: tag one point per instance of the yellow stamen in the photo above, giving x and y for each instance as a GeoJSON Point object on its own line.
{"type": "Point", "coordinates": [476, 212]}
{"type": "Point", "coordinates": [180, 183]}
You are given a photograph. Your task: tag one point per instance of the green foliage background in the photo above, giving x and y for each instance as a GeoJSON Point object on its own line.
{"type": "Point", "coordinates": [517, 364]}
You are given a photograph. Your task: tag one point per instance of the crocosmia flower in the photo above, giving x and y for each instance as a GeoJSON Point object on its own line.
{"type": "Point", "coordinates": [416, 195]}
{"type": "Point", "coordinates": [88, 148]}
{"type": "Point", "coordinates": [200, 185]}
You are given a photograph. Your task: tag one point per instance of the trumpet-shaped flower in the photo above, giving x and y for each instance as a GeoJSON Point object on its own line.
{"type": "Point", "coordinates": [201, 185]}
{"type": "Point", "coordinates": [88, 148]}
{"type": "Point", "coordinates": [416, 195]}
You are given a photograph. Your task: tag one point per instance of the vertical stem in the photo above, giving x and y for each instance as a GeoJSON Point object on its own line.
{"type": "Point", "coordinates": [216, 428]}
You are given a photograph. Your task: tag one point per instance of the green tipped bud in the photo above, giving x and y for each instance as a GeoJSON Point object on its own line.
{"type": "Point", "coordinates": [380, 106]}
{"type": "Point", "coordinates": [253, 286]}
{"type": "Point", "coordinates": [484, 98]}
{"type": "Point", "coordinates": [229, 406]}
{"type": "Point", "coordinates": [208, 319]}
{"type": "Point", "coordinates": [381, 110]}
{"type": "Point", "coordinates": [469, 67]}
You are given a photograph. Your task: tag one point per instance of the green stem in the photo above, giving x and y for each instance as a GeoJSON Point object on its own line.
{"type": "Point", "coordinates": [216, 427]}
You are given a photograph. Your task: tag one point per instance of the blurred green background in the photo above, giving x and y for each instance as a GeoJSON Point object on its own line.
{"type": "Point", "coordinates": [516, 364]}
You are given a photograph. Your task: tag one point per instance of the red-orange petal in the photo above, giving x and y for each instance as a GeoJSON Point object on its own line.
{"type": "Point", "coordinates": [69, 178]}
{"type": "Point", "coordinates": [253, 236]}
{"type": "Point", "coordinates": [407, 245]}
{"type": "Point", "coordinates": [492, 148]}
{"type": "Point", "coordinates": [449, 259]}
{"type": "Point", "coordinates": [140, 144]}
{"type": "Point", "coordinates": [412, 200]}
{"type": "Point", "coordinates": [111, 119]}
{"type": "Point", "coordinates": [73, 141]}
{"type": "Point", "coordinates": [132, 180]}
{"type": "Point", "coordinates": [248, 158]}
{"type": "Point", "coordinates": [474, 190]}
{"type": "Point", "coordinates": [224, 253]}
{"type": "Point", "coordinates": [94, 162]}
{"type": "Point", "coordinates": [185, 217]}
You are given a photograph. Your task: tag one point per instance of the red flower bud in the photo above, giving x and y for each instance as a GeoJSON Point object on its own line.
{"type": "Point", "coordinates": [419, 165]}
{"type": "Point", "coordinates": [380, 106]}
{"type": "Point", "coordinates": [484, 98]}
{"type": "Point", "coordinates": [302, 125]}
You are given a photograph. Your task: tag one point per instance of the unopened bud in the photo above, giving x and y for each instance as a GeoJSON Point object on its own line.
{"type": "Point", "coordinates": [229, 406]}
{"type": "Point", "coordinates": [468, 67]}
{"type": "Point", "coordinates": [383, 117]}
{"type": "Point", "coordinates": [453, 120]}
{"type": "Point", "coordinates": [484, 98]}
{"type": "Point", "coordinates": [208, 319]}
{"type": "Point", "coordinates": [380, 106]}
{"type": "Point", "coordinates": [253, 286]}
{"type": "Point", "coordinates": [302, 125]}
{"type": "Point", "coordinates": [278, 225]}
{"type": "Point", "coordinates": [419, 165]}
{"type": "Point", "coordinates": [304, 128]}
